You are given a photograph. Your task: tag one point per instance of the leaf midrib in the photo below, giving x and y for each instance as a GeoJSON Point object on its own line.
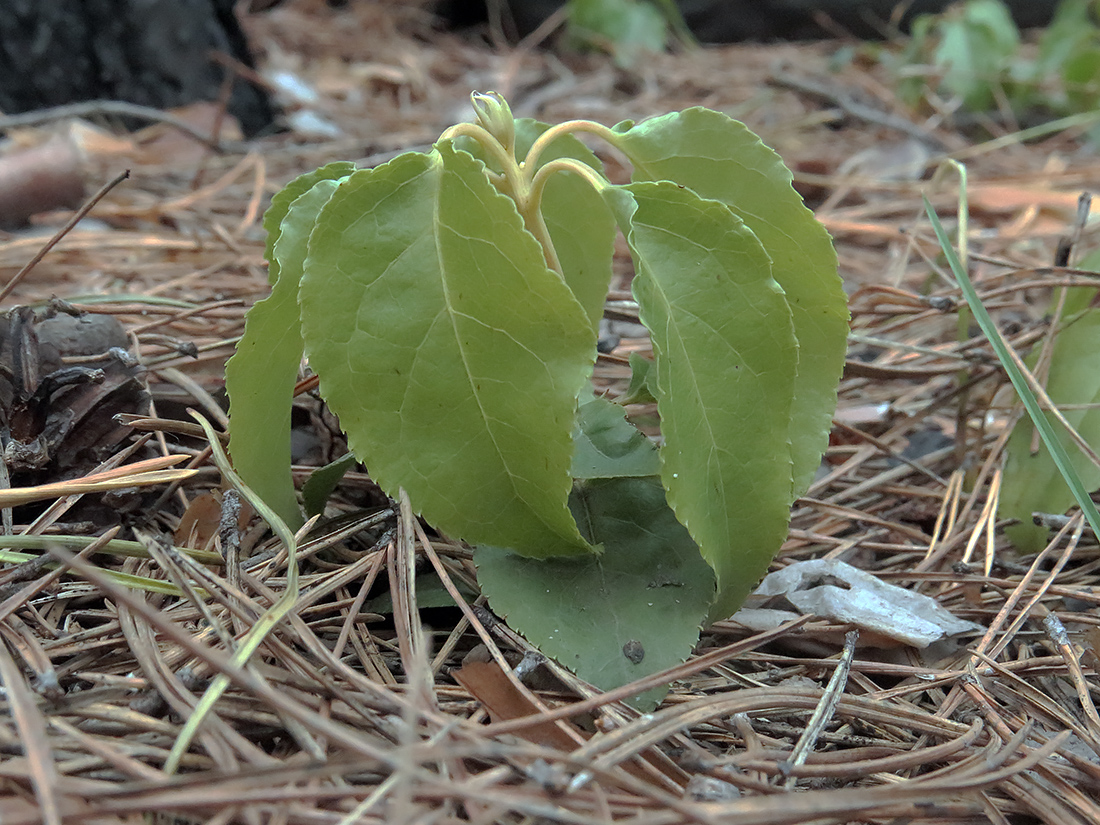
{"type": "Point", "coordinates": [452, 315]}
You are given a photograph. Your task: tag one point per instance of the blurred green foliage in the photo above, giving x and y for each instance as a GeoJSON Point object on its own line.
{"type": "Point", "coordinates": [973, 55]}
{"type": "Point", "coordinates": [627, 29]}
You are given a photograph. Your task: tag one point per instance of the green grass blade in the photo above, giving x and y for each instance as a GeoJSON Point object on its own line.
{"type": "Point", "coordinates": [1015, 375]}
{"type": "Point", "coordinates": [115, 547]}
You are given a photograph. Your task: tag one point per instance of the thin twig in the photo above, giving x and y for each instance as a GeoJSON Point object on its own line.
{"type": "Point", "coordinates": [850, 106]}
{"type": "Point", "coordinates": [824, 711]}
{"type": "Point", "coordinates": [116, 108]}
{"type": "Point", "coordinates": [62, 232]}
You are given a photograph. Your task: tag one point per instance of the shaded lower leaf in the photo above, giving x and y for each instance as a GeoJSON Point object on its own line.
{"type": "Point", "coordinates": [725, 360]}
{"type": "Point", "coordinates": [260, 376]}
{"type": "Point", "coordinates": [323, 481]}
{"type": "Point", "coordinates": [634, 610]}
{"type": "Point", "coordinates": [639, 391]}
{"type": "Point", "coordinates": [607, 446]}
{"type": "Point", "coordinates": [451, 353]}
{"type": "Point", "coordinates": [720, 158]}
{"type": "Point", "coordinates": [430, 594]}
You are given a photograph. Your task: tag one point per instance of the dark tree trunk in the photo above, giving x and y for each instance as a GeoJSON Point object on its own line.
{"type": "Point", "coordinates": [152, 52]}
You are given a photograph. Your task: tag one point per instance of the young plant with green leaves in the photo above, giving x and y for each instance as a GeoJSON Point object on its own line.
{"type": "Point", "coordinates": [449, 302]}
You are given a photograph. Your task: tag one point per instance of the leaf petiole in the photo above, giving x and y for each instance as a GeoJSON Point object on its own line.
{"type": "Point", "coordinates": [538, 181]}
{"type": "Point", "coordinates": [530, 207]}
{"type": "Point", "coordinates": [570, 127]}
{"type": "Point", "coordinates": [510, 169]}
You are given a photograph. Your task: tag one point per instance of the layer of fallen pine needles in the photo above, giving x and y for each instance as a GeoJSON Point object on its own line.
{"type": "Point", "coordinates": [365, 707]}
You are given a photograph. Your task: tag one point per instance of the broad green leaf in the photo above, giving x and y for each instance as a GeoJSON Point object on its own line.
{"type": "Point", "coordinates": [581, 226]}
{"type": "Point", "coordinates": [632, 611]}
{"type": "Point", "coordinates": [260, 377]}
{"type": "Point", "coordinates": [1080, 298]}
{"type": "Point", "coordinates": [726, 357]}
{"type": "Point", "coordinates": [281, 203]}
{"type": "Point", "coordinates": [451, 353]}
{"type": "Point", "coordinates": [323, 481]}
{"type": "Point", "coordinates": [607, 446]}
{"type": "Point", "coordinates": [719, 158]}
{"type": "Point", "coordinates": [1033, 482]}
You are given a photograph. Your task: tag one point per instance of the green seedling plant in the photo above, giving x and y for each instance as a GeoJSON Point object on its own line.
{"type": "Point", "coordinates": [449, 302]}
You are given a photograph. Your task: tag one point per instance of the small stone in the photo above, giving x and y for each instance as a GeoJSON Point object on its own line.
{"type": "Point", "coordinates": [709, 789]}
{"type": "Point", "coordinates": [634, 651]}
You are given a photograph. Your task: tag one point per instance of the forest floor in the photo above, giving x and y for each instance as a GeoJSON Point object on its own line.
{"type": "Point", "coordinates": [998, 726]}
